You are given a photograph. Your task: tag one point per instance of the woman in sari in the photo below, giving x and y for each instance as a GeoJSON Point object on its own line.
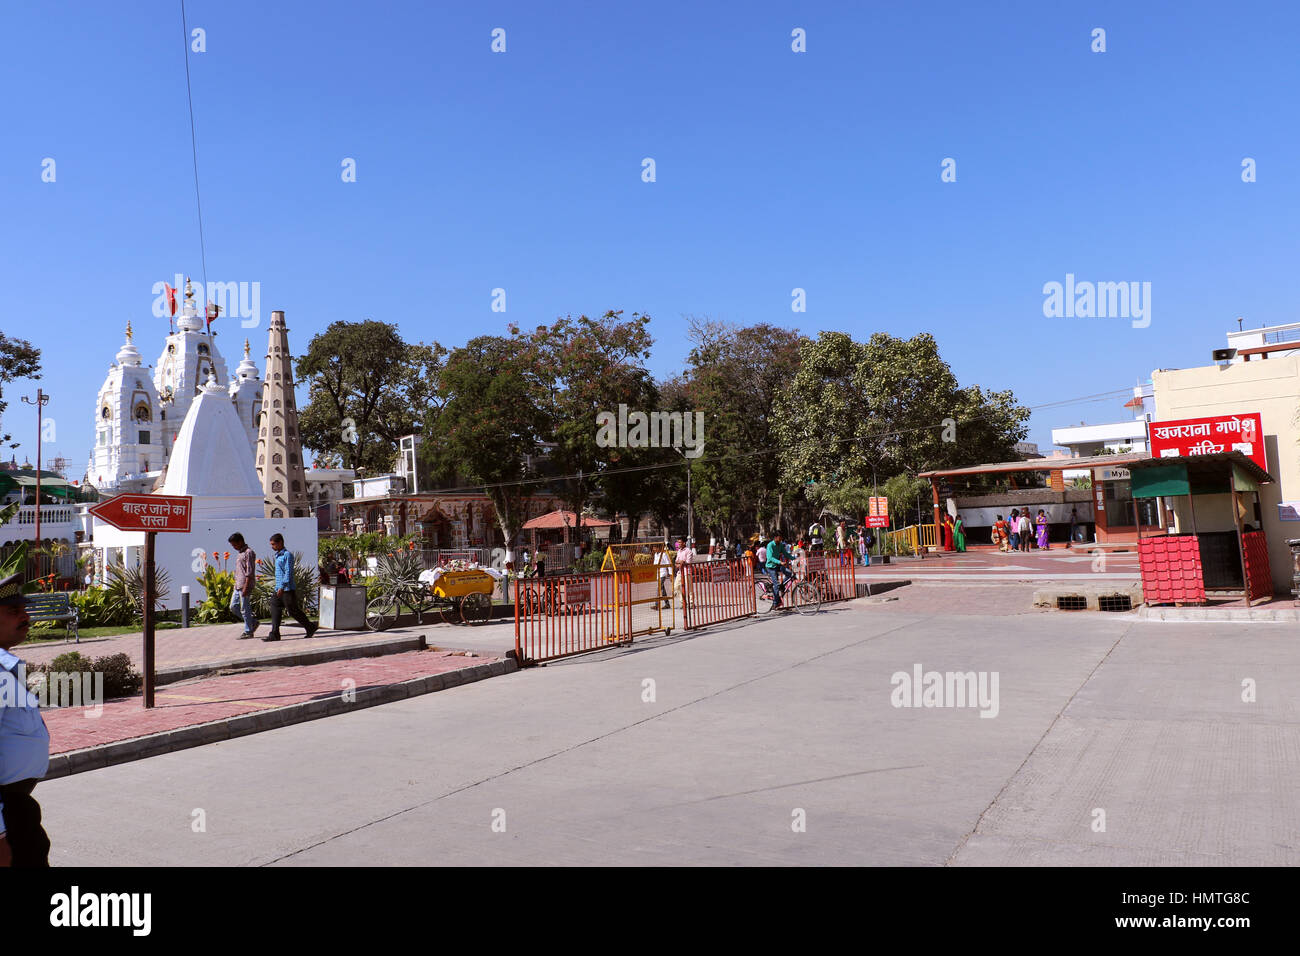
{"type": "Point", "coordinates": [1042, 530]}
{"type": "Point", "coordinates": [959, 533]}
{"type": "Point", "coordinates": [947, 534]}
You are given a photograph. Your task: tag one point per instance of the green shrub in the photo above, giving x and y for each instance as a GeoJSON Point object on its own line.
{"type": "Point", "coordinates": [71, 663]}
{"type": "Point", "coordinates": [95, 609]}
{"type": "Point", "coordinates": [121, 679]}
{"type": "Point", "coordinates": [125, 591]}
{"type": "Point", "coordinates": [218, 587]}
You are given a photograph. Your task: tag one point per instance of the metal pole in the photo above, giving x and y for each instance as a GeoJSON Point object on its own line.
{"type": "Point", "coordinates": [148, 618]}
{"type": "Point", "coordinates": [41, 400]}
{"type": "Point", "coordinates": [1241, 538]}
{"type": "Point", "coordinates": [690, 509]}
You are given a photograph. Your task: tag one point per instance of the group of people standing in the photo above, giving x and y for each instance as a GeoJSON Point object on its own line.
{"type": "Point", "coordinates": [1021, 533]}
{"type": "Point", "coordinates": [952, 533]}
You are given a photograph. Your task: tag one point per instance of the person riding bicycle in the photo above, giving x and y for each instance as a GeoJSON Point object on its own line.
{"type": "Point", "coordinates": [778, 566]}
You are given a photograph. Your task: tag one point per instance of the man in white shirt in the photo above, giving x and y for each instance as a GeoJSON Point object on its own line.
{"type": "Point", "coordinates": [664, 562]}
{"type": "Point", "coordinates": [24, 741]}
{"type": "Point", "coordinates": [685, 555]}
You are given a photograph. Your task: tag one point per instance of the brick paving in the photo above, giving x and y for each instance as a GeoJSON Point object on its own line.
{"type": "Point", "coordinates": [207, 699]}
{"type": "Point", "coordinates": [214, 642]}
{"type": "Point", "coordinates": [991, 566]}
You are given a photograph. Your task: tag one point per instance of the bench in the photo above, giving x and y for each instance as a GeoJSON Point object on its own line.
{"type": "Point", "coordinates": [54, 607]}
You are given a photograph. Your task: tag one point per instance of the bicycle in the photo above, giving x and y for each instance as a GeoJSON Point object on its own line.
{"type": "Point", "coordinates": [383, 611]}
{"type": "Point", "coordinates": [802, 596]}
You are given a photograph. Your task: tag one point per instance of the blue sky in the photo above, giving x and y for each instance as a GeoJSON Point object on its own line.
{"type": "Point", "coordinates": [775, 170]}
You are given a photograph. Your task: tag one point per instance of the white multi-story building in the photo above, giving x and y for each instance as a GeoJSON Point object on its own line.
{"type": "Point", "coordinates": [1274, 341]}
{"type": "Point", "coordinates": [140, 409]}
{"type": "Point", "coordinates": [1085, 441]}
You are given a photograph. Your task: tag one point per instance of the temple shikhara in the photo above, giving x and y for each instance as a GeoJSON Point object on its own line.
{"type": "Point", "coordinates": [141, 412]}
{"type": "Point", "coordinates": [188, 427]}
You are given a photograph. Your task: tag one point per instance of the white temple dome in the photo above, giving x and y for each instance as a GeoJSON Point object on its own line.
{"type": "Point", "coordinates": [247, 368]}
{"type": "Point", "coordinates": [128, 354]}
{"type": "Point", "coordinates": [212, 460]}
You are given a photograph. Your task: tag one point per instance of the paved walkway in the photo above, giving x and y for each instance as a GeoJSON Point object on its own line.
{"type": "Point", "coordinates": [195, 646]}
{"type": "Point", "coordinates": [203, 700]}
{"type": "Point", "coordinates": [992, 567]}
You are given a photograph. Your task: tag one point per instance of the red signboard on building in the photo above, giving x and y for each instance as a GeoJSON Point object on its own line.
{"type": "Point", "coordinates": [146, 512]}
{"type": "Point", "coordinates": [1209, 436]}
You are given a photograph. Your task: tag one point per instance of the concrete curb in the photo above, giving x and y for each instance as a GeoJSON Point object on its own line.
{"type": "Point", "coordinates": [182, 738]}
{"type": "Point", "coordinates": [316, 654]}
{"type": "Point", "coordinates": [1268, 615]}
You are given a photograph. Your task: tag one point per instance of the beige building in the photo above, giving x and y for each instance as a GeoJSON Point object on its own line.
{"type": "Point", "coordinates": [1271, 388]}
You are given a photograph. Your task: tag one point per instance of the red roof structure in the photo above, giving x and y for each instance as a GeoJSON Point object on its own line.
{"type": "Point", "coordinates": [558, 520]}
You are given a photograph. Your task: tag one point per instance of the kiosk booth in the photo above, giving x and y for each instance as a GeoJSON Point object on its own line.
{"type": "Point", "coordinates": [1215, 542]}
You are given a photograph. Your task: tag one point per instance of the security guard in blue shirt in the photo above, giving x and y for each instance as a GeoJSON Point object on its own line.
{"type": "Point", "coordinates": [24, 741]}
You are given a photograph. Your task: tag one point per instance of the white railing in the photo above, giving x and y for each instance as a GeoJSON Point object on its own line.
{"type": "Point", "coordinates": [50, 515]}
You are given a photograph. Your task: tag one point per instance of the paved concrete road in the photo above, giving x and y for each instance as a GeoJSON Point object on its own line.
{"type": "Point", "coordinates": [750, 725]}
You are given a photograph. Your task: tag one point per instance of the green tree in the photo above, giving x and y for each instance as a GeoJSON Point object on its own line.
{"type": "Point", "coordinates": [367, 388]}
{"type": "Point", "coordinates": [489, 417]}
{"type": "Point", "coordinates": [889, 402]}
{"type": "Point", "coordinates": [734, 376]}
{"type": "Point", "coordinates": [18, 359]}
{"type": "Point", "coordinates": [593, 365]}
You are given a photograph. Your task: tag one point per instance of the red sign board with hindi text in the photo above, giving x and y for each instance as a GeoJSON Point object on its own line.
{"type": "Point", "coordinates": [146, 512]}
{"type": "Point", "coordinates": [1209, 436]}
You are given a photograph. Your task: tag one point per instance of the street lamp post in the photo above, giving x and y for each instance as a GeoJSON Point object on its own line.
{"type": "Point", "coordinates": [41, 401]}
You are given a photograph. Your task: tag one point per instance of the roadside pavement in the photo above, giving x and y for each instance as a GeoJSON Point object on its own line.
{"type": "Point", "coordinates": [202, 710]}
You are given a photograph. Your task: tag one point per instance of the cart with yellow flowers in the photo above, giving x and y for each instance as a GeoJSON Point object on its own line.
{"type": "Point", "coordinates": [456, 597]}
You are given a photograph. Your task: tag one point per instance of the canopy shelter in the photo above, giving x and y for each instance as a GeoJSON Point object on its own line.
{"type": "Point", "coordinates": [51, 484]}
{"type": "Point", "coordinates": [1096, 465]}
{"type": "Point", "coordinates": [558, 520]}
{"type": "Point", "coordinates": [1215, 539]}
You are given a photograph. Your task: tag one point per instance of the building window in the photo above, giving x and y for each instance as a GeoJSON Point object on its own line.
{"type": "Point", "coordinates": [261, 460]}
{"type": "Point", "coordinates": [275, 459]}
{"type": "Point", "coordinates": [276, 431]}
{"type": "Point", "coordinates": [293, 458]}
{"type": "Point", "coordinates": [105, 412]}
{"type": "Point", "coordinates": [162, 416]}
{"type": "Point", "coordinates": [277, 487]}
{"type": "Point", "coordinates": [203, 349]}
{"type": "Point", "coordinates": [277, 513]}
{"type": "Point", "coordinates": [276, 403]}
{"type": "Point", "coordinates": [144, 438]}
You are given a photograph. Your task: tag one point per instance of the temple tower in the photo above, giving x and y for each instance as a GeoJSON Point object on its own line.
{"type": "Point", "coordinates": [279, 446]}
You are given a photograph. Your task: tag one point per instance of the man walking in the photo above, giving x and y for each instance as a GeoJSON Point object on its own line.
{"type": "Point", "coordinates": [245, 573]}
{"type": "Point", "coordinates": [24, 741]}
{"type": "Point", "coordinates": [285, 597]}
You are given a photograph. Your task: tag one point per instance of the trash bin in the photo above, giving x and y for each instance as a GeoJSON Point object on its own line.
{"type": "Point", "coordinates": [342, 607]}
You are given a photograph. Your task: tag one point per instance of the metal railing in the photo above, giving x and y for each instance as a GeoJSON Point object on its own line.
{"type": "Point", "coordinates": [570, 614]}
{"type": "Point", "coordinates": [910, 540]}
{"type": "Point", "coordinates": [717, 591]}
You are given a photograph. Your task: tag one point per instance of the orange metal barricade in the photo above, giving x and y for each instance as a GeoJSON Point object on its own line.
{"type": "Point", "coordinates": [570, 614]}
{"type": "Point", "coordinates": [833, 572]}
{"type": "Point", "coordinates": [717, 591]}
